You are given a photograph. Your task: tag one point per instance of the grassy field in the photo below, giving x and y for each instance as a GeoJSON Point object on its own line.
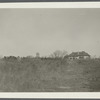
{"type": "Point", "coordinates": [49, 75]}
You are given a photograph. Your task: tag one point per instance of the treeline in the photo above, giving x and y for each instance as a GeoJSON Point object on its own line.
{"type": "Point", "coordinates": [55, 55]}
{"type": "Point", "coordinates": [13, 58]}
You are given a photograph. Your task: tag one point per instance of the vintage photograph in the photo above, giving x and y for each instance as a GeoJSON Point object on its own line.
{"type": "Point", "coordinates": [50, 50]}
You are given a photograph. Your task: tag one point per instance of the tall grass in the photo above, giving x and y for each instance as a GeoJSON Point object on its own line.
{"type": "Point", "coordinates": [32, 75]}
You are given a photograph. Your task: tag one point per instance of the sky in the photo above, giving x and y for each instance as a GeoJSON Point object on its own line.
{"type": "Point", "coordinates": [25, 32]}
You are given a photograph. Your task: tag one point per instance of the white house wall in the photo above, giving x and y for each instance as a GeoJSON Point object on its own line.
{"type": "Point", "coordinates": [84, 57]}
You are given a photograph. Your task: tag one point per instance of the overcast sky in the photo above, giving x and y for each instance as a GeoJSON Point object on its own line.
{"type": "Point", "coordinates": [24, 32]}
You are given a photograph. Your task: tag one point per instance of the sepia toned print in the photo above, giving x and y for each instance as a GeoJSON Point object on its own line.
{"type": "Point", "coordinates": [50, 50]}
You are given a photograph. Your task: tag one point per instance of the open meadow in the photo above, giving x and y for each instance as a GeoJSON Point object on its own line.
{"type": "Point", "coordinates": [49, 75]}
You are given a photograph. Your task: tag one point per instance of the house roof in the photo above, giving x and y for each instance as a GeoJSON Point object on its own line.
{"type": "Point", "coordinates": [76, 54]}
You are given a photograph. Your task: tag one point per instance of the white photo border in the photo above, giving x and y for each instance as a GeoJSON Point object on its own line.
{"type": "Point", "coordinates": [51, 5]}
{"type": "Point", "coordinates": [61, 95]}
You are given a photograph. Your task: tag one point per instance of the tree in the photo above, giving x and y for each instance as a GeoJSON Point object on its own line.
{"type": "Point", "coordinates": [59, 54]}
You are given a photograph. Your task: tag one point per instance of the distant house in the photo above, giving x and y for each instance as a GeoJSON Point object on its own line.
{"type": "Point", "coordinates": [78, 55]}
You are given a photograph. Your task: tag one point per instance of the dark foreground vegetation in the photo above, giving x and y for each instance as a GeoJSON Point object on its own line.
{"type": "Point", "coordinates": [49, 75]}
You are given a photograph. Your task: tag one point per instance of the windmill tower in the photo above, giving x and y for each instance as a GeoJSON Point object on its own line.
{"type": "Point", "coordinates": [37, 55]}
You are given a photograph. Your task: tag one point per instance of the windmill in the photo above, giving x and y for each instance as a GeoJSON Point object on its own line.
{"type": "Point", "coordinates": [37, 55]}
